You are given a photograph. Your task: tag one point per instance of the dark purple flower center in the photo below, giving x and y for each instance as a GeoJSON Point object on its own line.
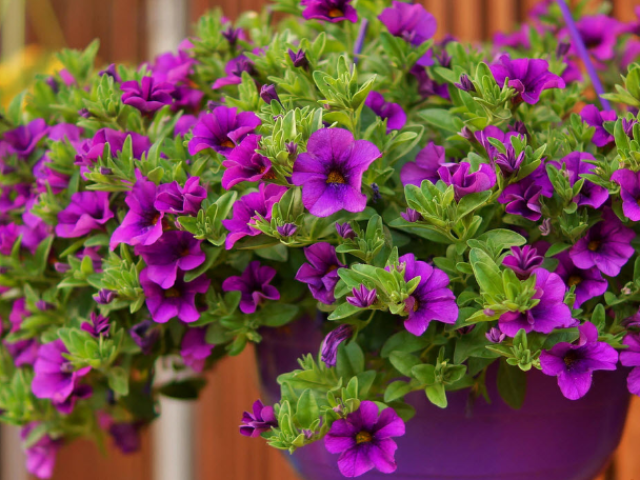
{"type": "Point", "coordinates": [574, 280]}
{"type": "Point", "coordinates": [594, 245]}
{"type": "Point", "coordinates": [172, 293]}
{"type": "Point", "coordinates": [363, 437]}
{"type": "Point", "coordinates": [571, 357]}
{"type": "Point", "coordinates": [335, 177]}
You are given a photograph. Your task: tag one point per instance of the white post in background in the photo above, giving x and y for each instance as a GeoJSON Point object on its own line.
{"type": "Point", "coordinates": [167, 25]}
{"type": "Point", "coordinates": [12, 459]}
{"type": "Point", "coordinates": [12, 27]}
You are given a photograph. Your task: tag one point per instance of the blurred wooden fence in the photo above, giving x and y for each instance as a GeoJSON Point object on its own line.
{"type": "Point", "coordinates": [222, 454]}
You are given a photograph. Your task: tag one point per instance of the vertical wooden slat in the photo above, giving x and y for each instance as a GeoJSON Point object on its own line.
{"type": "Point", "coordinates": [501, 16]}
{"type": "Point", "coordinates": [77, 23]}
{"type": "Point", "coordinates": [625, 9]}
{"type": "Point", "coordinates": [627, 458]}
{"type": "Point", "coordinates": [466, 14]}
{"type": "Point", "coordinates": [125, 39]}
{"type": "Point", "coordinates": [438, 8]}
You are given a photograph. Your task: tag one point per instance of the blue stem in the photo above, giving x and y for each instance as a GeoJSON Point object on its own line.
{"type": "Point", "coordinates": [362, 33]}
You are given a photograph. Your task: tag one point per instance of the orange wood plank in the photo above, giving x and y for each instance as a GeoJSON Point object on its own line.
{"type": "Point", "coordinates": [627, 458]}
{"type": "Point", "coordinates": [501, 16]}
{"type": "Point", "coordinates": [466, 19]}
{"type": "Point", "coordinates": [438, 8]}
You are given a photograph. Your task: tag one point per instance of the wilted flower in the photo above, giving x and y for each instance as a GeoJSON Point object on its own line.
{"type": "Point", "coordinates": [299, 59]}
{"type": "Point", "coordinates": [287, 230]}
{"type": "Point", "coordinates": [465, 84]}
{"type": "Point", "coordinates": [523, 261]}
{"type": "Point", "coordinates": [495, 335]}
{"type": "Point", "coordinates": [362, 297]}
{"type": "Point", "coordinates": [345, 231]}
{"type": "Point", "coordinates": [268, 93]}
{"type": "Point", "coordinates": [254, 285]}
{"type": "Point", "coordinates": [330, 344]}
{"type": "Point", "coordinates": [410, 215]}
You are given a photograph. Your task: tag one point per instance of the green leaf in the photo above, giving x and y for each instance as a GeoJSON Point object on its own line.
{"type": "Point", "coordinates": [404, 362]}
{"type": "Point", "coordinates": [119, 380]}
{"type": "Point", "coordinates": [512, 384]}
{"type": "Point", "coordinates": [556, 248]}
{"type": "Point", "coordinates": [188, 389]}
{"type": "Point", "coordinates": [442, 119]}
{"type": "Point", "coordinates": [307, 410]}
{"type": "Point", "coordinates": [437, 395]}
{"type": "Point", "coordinates": [277, 314]}
{"type": "Point", "coordinates": [424, 373]}
{"type": "Point", "coordinates": [396, 390]}
{"type": "Point", "coordinates": [350, 360]}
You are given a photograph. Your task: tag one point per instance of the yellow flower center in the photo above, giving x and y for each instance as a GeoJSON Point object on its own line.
{"type": "Point", "coordinates": [363, 437]}
{"type": "Point", "coordinates": [574, 280]}
{"type": "Point", "coordinates": [335, 13]}
{"type": "Point", "coordinates": [228, 144]}
{"type": "Point", "coordinates": [335, 177]}
{"type": "Point", "coordinates": [594, 245]}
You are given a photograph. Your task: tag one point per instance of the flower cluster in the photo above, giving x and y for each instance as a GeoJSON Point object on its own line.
{"type": "Point", "coordinates": [440, 208]}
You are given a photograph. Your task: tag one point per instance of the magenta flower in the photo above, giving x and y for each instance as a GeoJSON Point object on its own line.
{"type": "Point", "coordinates": [607, 246]}
{"type": "Point", "coordinates": [330, 344]}
{"type": "Point", "coordinates": [426, 166]}
{"type": "Point", "coordinates": [87, 211]}
{"type": "Point", "coordinates": [184, 125]}
{"type": "Point", "coordinates": [18, 313]}
{"type": "Point", "coordinates": [177, 301]}
{"type": "Point", "coordinates": [523, 261]}
{"type": "Point", "coordinates": [126, 436]}
{"type": "Point", "coordinates": [321, 273]}
{"type": "Point", "coordinates": [574, 364]}
{"type": "Point", "coordinates": [23, 140]}
{"type": "Point", "coordinates": [523, 197]}
{"type": "Point", "coordinates": [90, 150]}
{"type": "Point", "coordinates": [186, 98]}
{"type": "Point", "coordinates": [491, 131]}
{"type": "Point", "coordinates": [247, 209]}
{"type": "Point", "coordinates": [245, 164]}
{"type": "Point", "coordinates": [46, 176]}
{"type": "Point", "coordinates": [517, 39]}
{"type": "Point", "coordinates": [222, 130]}
{"type": "Point", "coordinates": [589, 283]}
{"type": "Point", "coordinates": [254, 285]}
{"type": "Point", "coordinates": [172, 198]}
{"type": "Point", "coordinates": [330, 172]}
{"type": "Point", "coordinates": [629, 182]}
{"type": "Point", "coordinates": [41, 456]}
{"type": "Point", "coordinates": [65, 132]}
{"type": "Point", "coordinates": [363, 440]}
{"type": "Point", "coordinates": [362, 297]}
{"type": "Point", "coordinates": [14, 197]}
{"type": "Point", "coordinates": [432, 300]}
{"type": "Point", "coordinates": [466, 182]}
{"type": "Point", "coordinates": [528, 76]}
{"type": "Point", "coordinates": [345, 230]}
{"type": "Point", "coordinates": [299, 59]}
{"type": "Point", "coordinates": [233, 70]}
{"type": "Point", "coordinates": [8, 235]}
{"type": "Point", "coordinates": [631, 358]}
{"type": "Point", "coordinates": [258, 422]}
{"type": "Point", "coordinates": [550, 313]}
{"type": "Point", "coordinates": [149, 95]}
{"type": "Point", "coordinates": [98, 326]}
{"type": "Point", "coordinates": [591, 195]}
{"type": "Point", "coordinates": [409, 21]}
{"type": "Point", "coordinates": [142, 225]}
{"type": "Point", "coordinates": [194, 349]}
{"type": "Point", "coordinates": [173, 68]}
{"type": "Point", "coordinates": [392, 112]}
{"type": "Point", "coordinates": [145, 335]}
{"type": "Point", "coordinates": [600, 35]}
{"type": "Point", "coordinates": [173, 251]}
{"type": "Point", "coordinates": [596, 118]}
{"type": "Point", "coordinates": [23, 352]}
{"type": "Point", "coordinates": [330, 10]}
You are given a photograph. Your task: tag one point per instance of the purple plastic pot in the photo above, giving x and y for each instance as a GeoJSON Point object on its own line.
{"type": "Point", "coordinates": [549, 438]}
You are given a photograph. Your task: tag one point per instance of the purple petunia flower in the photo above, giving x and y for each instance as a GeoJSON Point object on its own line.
{"type": "Point", "coordinates": [431, 300]}
{"type": "Point", "coordinates": [517, 39]}
{"type": "Point", "coordinates": [48, 177]}
{"type": "Point", "coordinates": [392, 112]}
{"type": "Point", "coordinates": [427, 86]}
{"type": "Point", "coordinates": [528, 76]}
{"type": "Point", "coordinates": [142, 225]}
{"type": "Point", "coordinates": [287, 230]}
{"type": "Point", "coordinates": [631, 358]}
{"type": "Point", "coordinates": [173, 68]}
{"type": "Point", "coordinates": [631, 53]}
{"type": "Point", "coordinates": [8, 235]}
{"type": "Point", "coordinates": [409, 21]}
{"type": "Point", "coordinates": [508, 162]}
{"type": "Point", "coordinates": [184, 125]}
{"type": "Point", "coordinates": [90, 150]}
{"type": "Point", "coordinates": [483, 136]}
{"type": "Point", "coordinates": [104, 296]}
{"type": "Point", "coordinates": [186, 98]}
{"type": "Point", "coordinates": [362, 297]}
{"type": "Point", "coordinates": [589, 283]}
{"type": "Point", "coordinates": [363, 440]}
{"type": "Point", "coordinates": [607, 246]}
{"type": "Point", "coordinates": [194, 349]}
{"type": "Point", "coordinates": [329, 10]}
{"type": "Point", "coordinates": [591, 195]}
{"type": "Point", "coordinates": [23, 352]}
{"type": "Point", "coordinates": [426, 166]}
{"type": "Point", "coordinates": [145, 335]}
{"type": "Point", "coordinates": [330, 344]}
{"type": "Point", "coordinates": [222, 130]}
{"type": "Point", "coordinates": [23, 140]}
{"type": "Point", "coordinates": [523, 197]}
{"type": "Point", "coordinates": [149, 95]}
{"type": "Point", "coordinates": [331, 170]}
{"type": "Point", "coordinates": [268, 93]}
{"type": "Point", "coordinates": [550, 313]}
{"type": "Point", "coordinates": [523, 261]}
{"type": "Point", "coordinates": [172, 198]}
{"type": "Point", "coordinates": [87, 211]}
{"type": "Point", "coordinates": [629, 182]}
{"type": "Point", "coordinates": [599, 34]}
{"type": "Point", "coordinates": [495, 335]}
{"type": "Point", "coordinates": [234, 69]}
{"type": "Point", "coordinates": [174, 250]}
{"type": "Point", "coordinates": [65, 132]}
{"type": "Point", "coordinates": [98, 326]}
{"type": "Point", "coordinates": [254, 286]}
{"type": "Point", "coordinates": [596, 118]}
{"type": "Point", "coordinates": [321, 273]}
{"type": "Point", "coordinates": [258, 422]}
{"type": "Point", "coordinates": [345, 230]}
{"type": "Point", "coordinates": [247, 209]}
{"type": "Point", "coordinates": [245, 164]}
{"type": "Point", "coordinates": [126, 436]}
{"type": "Point", "coordinates": [41, 456]}
{"type": "Point", "coordinates": [410, 215]}
{"type": "Point", "coordinates": [177, 301]}
{"type": "Point", "coordinates": [574, 364]}
{"type": "Point", "coordinates": [466, 182]}
{"type": "Point", "coordinates": [14, 197]}
{"type": "Point", "coordinates": [299, 59]}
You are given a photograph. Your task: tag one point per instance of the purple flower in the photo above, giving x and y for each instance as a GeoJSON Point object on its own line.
{"type": "Point", "coordinates": [23, 352]}
{"type": "Point", "coordinates": [596, 118]}
{"type": "Point", "coordinates": [41, 456]}
{"type": "Point", "coordinates": [345, 230]}
{"type": "Point", "coordinates": [65, 131]}
{"type": "Point", "coordinates": [254, 286]}
{"type": "Point", "coordinates": [523, 261]}
{"type": "Point", "coordinates": [362, 297]}
{"type": "Point", "coordinates": [410, 215]}
{"type": "Point", "coordinates": [8, 235]}
{"type": "Point", "coordinates": [574, 364]}
{"type": "Point", "coordinates": [247, 209]}
{"type": "Point", "coordinates": [528, 76]}
{"type": "Point", "coordinates": [149, 95]}
{"type": "Point", "coordinates": [55, 377]}
{"type": "Point", "coordinates": [321, 273]}
{"type": "Point", "coordinates": [222, 130]}
{"type": "Point", "coordinates": [491, 131]}
{"type": "Point", "coordinates": [523, 197]}
{"type": "Point", "coordinates": [258, 422]}
{"type": "Point", "coordinates": [87, 211]}
{"type": "Point", "coordinates": [23, 140]}
{"type": "Point", "coordinates": [18, 313]}
{"type": "Point", "coordinates": [550, 313]}
{"type": "Point", "coordinates": [177, 301]}
{"type": "Point", "coordinates": [330, 10]}
{"type": "Point", "coordinates": [232, 35]}
{"type": "Point", "coordinates": [287, 230]}
{"type": "Point", "coordinates": [631, 53]}
{"type": "Point", "coordinates": [233, 70]}
{"type": "Point", "coordinates": [631, 358]}
{"type": "Point", "coordinates": [589, 283]}
{"type": "Point", "coordinates": [98, 326]}
{"type": "Point", "coordinates": [330, 172]}
{"type": "Point", "coordinates": [268, 93]}
{"type": "Point", "coordinates": [629, 182]}
{"type": "Point", "coordinates": [599, 34]}
{"type": "Point", "coordinates": [426, 166]}
{"type": "Point", "coordinates": [184, 125]}
{"type": "Point", "coordinates": [465, 83]}
{"type": "Point", "coordinates": [245, 164]}
{"type": "Point", "coordinates": [145, 335]}
{"type": "Point", "coordinates": [14, 197]}
{"type": "Point", "coordinates": [431, 300]}
{"type": "Point", "coordinates": [607, 246]}
{"type": "Point", "coordinates": [194, 349]}
{"type": "Point", "coordinates": [48, 177]}
{"type": "Point", "coordinates": [409, 21]}
{"type": "Point", "coordinates": [518, 39]}
{"type": "Point", "coordinates": [105, 297]}
{"type": "Point", "coordinates": [110, 71]}
{"type": "Point", "coordinates": [330, 344]}
{"type": "Point", "coordinates": [427, 86]}
{"type": "Point", "coordinates": [142, 225]}
{"type": "Point", "coordinates": [627, 126]}
{"type": "Point", "coordinates": [495, 335]}
{"type": "Point", "coordinates": [173, 68]}
{"type": "Point", "coordinates": [126, 436]}
{"type": "Point", "coordinates": [186, 98]}
{"type": "Point", "coordinates": [172, 198]}
{"type": "Point", "coordinates": [363, 440]}
{"type": "Point", "coordinates": [392, 112]}
{"type": "Point", "coordinates": [90, 150]}
{"type": "Point", "coordinates": [299, 59]}
{"type": "Point", "coordinates": [591, 195]}
{"type": "Point", "coordinates": [466, 182]}
{"type": "Point", "coordinates": [508, 162]}
{"type": "Point", "coordinates": [174, 250]}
